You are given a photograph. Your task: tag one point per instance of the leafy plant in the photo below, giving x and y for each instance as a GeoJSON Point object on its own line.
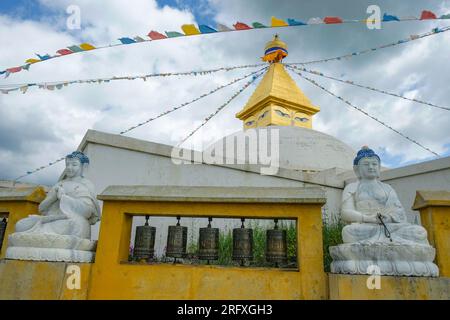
{"type": "Point", "coordinates": [332, 236]}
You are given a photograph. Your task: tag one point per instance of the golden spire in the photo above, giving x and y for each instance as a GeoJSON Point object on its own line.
{"type": "Point", "coordinates": [277, 100]}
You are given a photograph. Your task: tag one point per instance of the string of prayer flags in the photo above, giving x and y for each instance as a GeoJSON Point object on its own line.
{"type": "Point", "coordinates": [317, 73]}
{"type": "Point", "coordinates": [349, 55]}
{"type": "Point", "coordinates": [255, 76]}
{"type": "Point", "coordinates": [191, 29]}
{"type": "Point", "coordinates": [366, 113]}
{"type": "Point", "coordinates": [5, 89]}
{"type": "Point", "coordinates": [192, 101]}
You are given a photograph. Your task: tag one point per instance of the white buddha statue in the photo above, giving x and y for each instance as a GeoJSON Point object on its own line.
{"type": "Point", "coordinates": [378, 233]}
{"type": "Point", "coordinates": [62, 231]}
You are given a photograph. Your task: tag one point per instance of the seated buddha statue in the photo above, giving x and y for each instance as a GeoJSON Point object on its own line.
{"type": "Point", "coordinates": [62, 230]}
{"type": "Point", "coordinates": [378, 232]}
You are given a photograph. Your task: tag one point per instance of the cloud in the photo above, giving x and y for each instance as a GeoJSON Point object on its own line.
{"type": "Point", "coordinates": [41, 126]}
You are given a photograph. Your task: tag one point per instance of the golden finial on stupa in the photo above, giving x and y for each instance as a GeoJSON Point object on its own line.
{"type": "Point", "coordinates": [275, 50]}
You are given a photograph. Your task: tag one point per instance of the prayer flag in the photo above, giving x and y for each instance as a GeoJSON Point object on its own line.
{"type": "Point", "coordinates": [206, 29]}
{"type": "Point", "coordinates": [87, 46]}
{"type": "Point", "coordinates": [332, 20]}
{"type": "Point", "coordinates": [293, 22]}
{"type": "Point", "coordinates": [427, 15]}
{"type": "Point", "coordinates": [241, 26]}
{"type": "Point", "coordinates": [127, 40]}
{"type": "Point", "coordinates": [278, 22]}
{"type": "Point", "coordinates": [154, 35]}
{"type": "Point", "coordinates": [190, 29]}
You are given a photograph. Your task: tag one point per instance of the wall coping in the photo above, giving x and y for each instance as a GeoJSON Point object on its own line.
{"type": "Point", "coordinates": [308, 195]}
{"type": "Point", "coordinates": [425, 198]}
{"type": "Point", "coordinates": [30, 194]}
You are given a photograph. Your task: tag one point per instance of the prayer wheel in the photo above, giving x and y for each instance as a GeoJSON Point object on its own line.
{"type": "Point", "coordinates": [144, 241]}
{"type": "Point", "coordinates": [242, 243]}
{"type": "Point", "coordinates": [176, 241]}
{"type": "Point", "coordinates": [276, 245]}
{"type": "Point", "coordinates": [208, 243]}
{"type": "Point", "coordinates": [3, 224]}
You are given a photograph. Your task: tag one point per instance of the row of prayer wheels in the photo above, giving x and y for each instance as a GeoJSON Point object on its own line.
{"type": "Point", "coordinates": [3, 224]}
{"type": "Point", "coordinates": [276, 243]}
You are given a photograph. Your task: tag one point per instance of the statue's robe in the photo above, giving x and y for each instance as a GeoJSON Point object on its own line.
{"type": "Point", "coordinates": [373, 198]}
{"type": "Point", "coordinates": [71, 215]}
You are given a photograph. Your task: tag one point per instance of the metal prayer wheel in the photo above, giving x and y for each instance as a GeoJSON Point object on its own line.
{"type": "Point", "coordinates": [3, 224]}
{"type": "Point", "coordinates": [208, 243]}
{"type": "Point", "coordinates": [242, 243]}
{"type": "Point", "coordinates": [176, 241]}
{"type": "Point", "coordinates": [144, 241]}
{"type": "Point", "coordinates": [276, 245]}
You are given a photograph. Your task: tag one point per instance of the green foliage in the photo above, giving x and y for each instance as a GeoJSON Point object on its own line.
{"type": "Point", "coordinates": [225, 248]}
{"type": "Point", "coordinates": [332, 236]}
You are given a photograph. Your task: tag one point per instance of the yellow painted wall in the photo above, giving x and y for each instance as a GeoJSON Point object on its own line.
{"type": "Point", "coordinates": [19, 209]}
{"type": "Point", "coordinates": [437, 222]}
{"type": "Point", "coordinates": [33, 280]}
{"type": "Point", "coordinates": [114, 278]}
{"type": "Point", "coordinates": [434, 209]}
{"type": "Point", "coordinates": [354, 287]}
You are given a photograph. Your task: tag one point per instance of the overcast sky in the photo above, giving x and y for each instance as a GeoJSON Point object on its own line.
{"type": "Point", "coordinates": [41, 126]}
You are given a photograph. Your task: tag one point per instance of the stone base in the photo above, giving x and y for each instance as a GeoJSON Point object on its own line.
{"type": "Point", "coordinates": [44, 254]}
{"type": "Point", "coordinates": [391, 259]}
{"type": "Point", "coordinates": [50, 247]}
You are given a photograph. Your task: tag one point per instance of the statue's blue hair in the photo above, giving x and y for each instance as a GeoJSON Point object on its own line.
{"type": "Point", "coordinates": [78, 155]}
{"type": "Point", "coordinates": [365, 152]}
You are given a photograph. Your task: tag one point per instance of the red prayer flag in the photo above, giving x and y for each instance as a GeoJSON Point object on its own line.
{"type": "Point", "coordinates": [426, 15]}
{"type": "Point", "coordinates": [13, 70]}
{"type": "Point", "coordinates": [331, 20]}
{"type": "Point", "coordinates": [156, 35]}
{"type": "Point", "coordinates": [63, 52]}
{"type": "Point", "coordinates": [241, 26]}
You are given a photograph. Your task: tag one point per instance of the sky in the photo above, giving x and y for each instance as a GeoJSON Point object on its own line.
{"type": "Point", "coordinates": [41, 126]}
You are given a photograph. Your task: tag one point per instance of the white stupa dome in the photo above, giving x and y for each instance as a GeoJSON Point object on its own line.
{"type": "Point", "coordinates": [299, 148]}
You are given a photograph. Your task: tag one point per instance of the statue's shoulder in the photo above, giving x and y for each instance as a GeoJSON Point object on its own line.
{"type": "Point", "coordinates": [351, 187]}
{"type": "Point", "coordinates": [387, 187]}
{"type": "Point", "coordinates": [88, 184]}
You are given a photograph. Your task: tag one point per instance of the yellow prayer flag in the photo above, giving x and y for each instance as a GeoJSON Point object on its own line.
{"type": "Point", "coordinates": [278, 22]}
{"type": "Point", "coordinates": [87, 46]}
{"type": "Point", "coordinates": [190, 29]}
{"type": "Point", "coordinates": [31, 61]}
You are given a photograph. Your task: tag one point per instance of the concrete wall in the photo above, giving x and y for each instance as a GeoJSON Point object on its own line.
{"type": "Point", "coordinates": [430, 175]}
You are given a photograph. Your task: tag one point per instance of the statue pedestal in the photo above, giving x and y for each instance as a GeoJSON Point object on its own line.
{"type": "Point", "coordinates": [50, 247]}
{"type": "Point", "coordinates": [391, 259]}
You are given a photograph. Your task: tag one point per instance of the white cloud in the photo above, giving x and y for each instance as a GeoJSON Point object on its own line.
{"type": "Point", "coordinates": [47, 125]}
